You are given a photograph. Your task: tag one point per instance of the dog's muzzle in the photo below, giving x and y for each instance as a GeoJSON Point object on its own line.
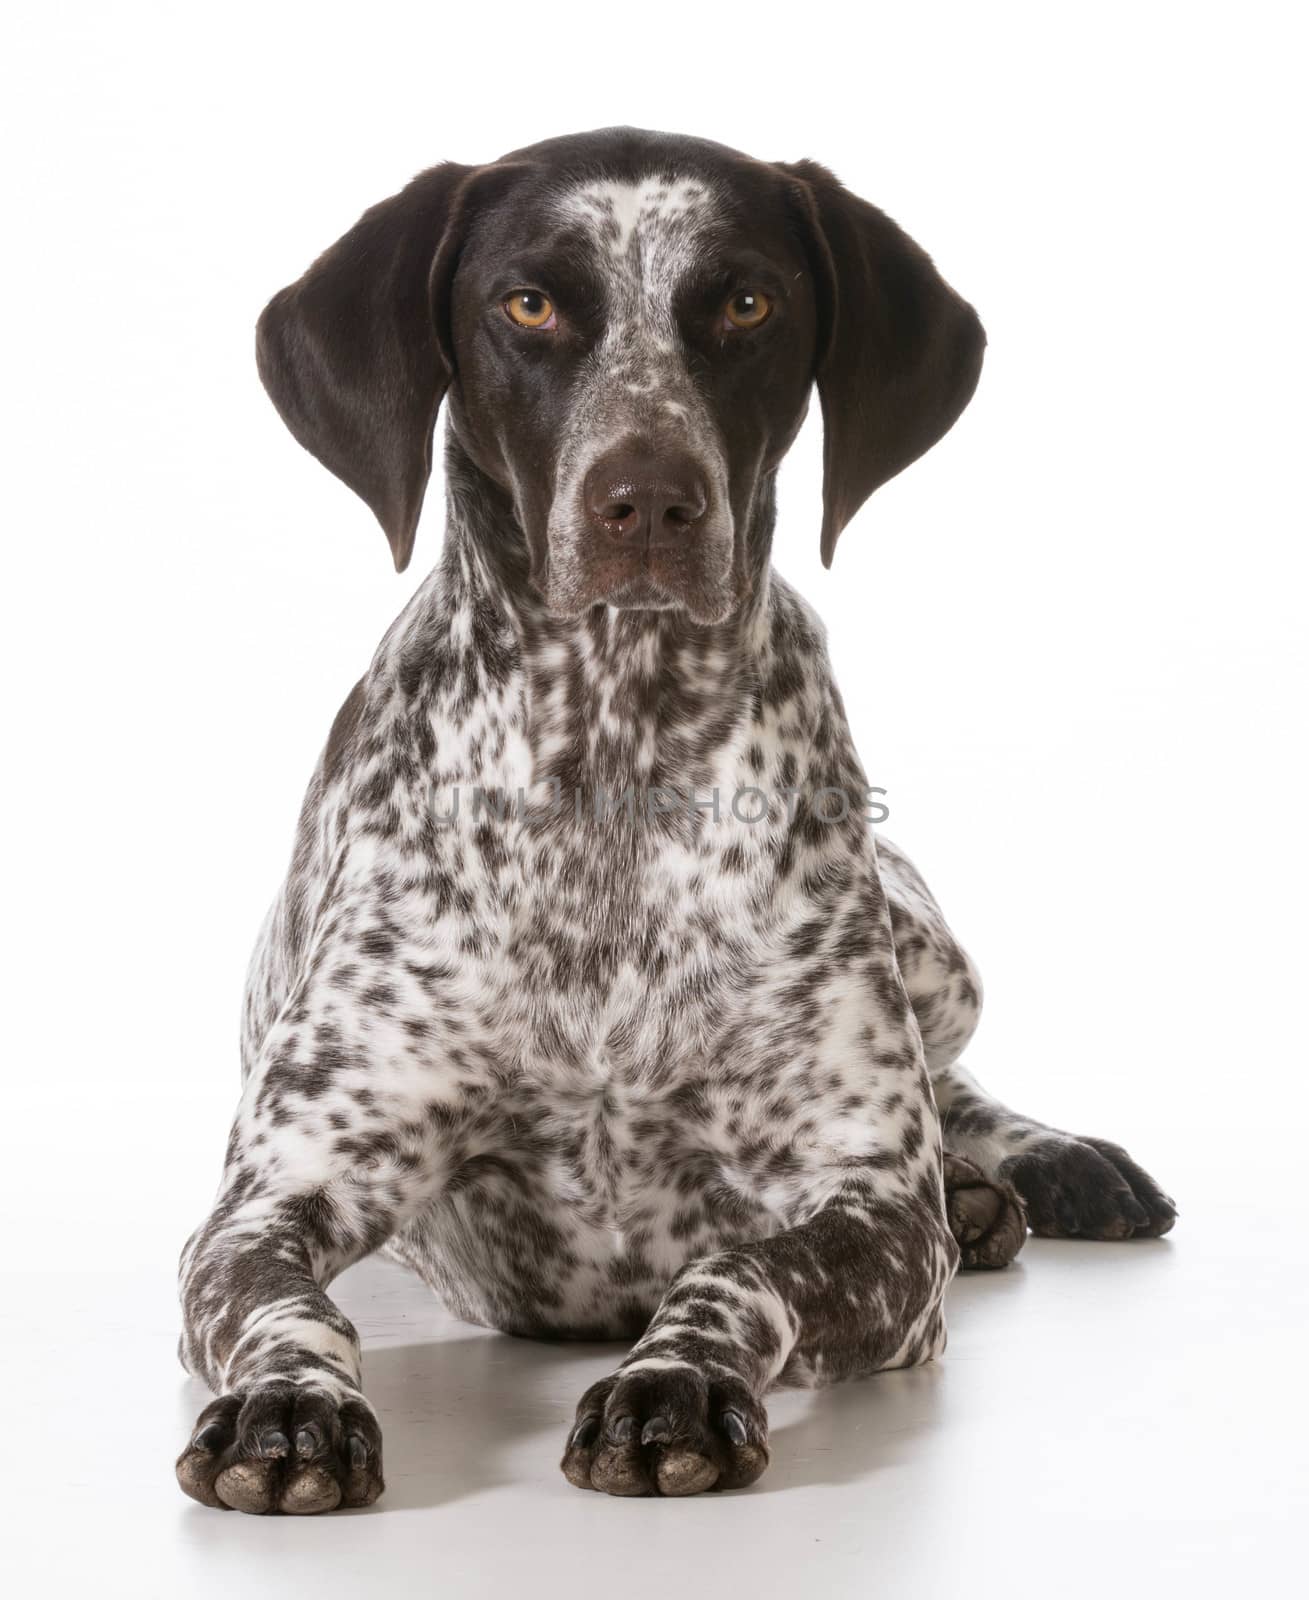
{"type": "Point", "coordinates": [654, 533]}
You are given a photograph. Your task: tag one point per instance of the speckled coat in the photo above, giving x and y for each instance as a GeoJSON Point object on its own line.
{"type": "Point", "coordinates": [543, 1011]}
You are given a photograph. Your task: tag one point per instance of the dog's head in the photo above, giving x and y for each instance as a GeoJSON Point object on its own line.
{"type": "Point", "coordinates": [628, 326]}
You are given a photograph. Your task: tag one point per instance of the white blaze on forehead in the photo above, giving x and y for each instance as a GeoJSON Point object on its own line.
{"type": "Point", "coordinates": [647, 232]}
{"type": "Point", "coordinates": [624, 210]}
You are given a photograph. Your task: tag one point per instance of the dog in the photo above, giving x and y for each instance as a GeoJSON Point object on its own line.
{"type": "Point", "coordinates": [594, 1064]}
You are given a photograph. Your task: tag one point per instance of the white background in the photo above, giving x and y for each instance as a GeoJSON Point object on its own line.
{"type": "Point", "coordinates": [1071, 642]}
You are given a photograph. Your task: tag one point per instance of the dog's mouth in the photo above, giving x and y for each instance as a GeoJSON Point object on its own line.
{"type": "Point", "coordinates": [694, 579]}
{"type": "Point", "coordinates": [651, 579]}
{"type": "Point", "coordinates": [642, 592]}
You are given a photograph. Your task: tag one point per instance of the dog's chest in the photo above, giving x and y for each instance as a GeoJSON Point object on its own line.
{"type": "Point", "coordinates": [610, 921]}
{"type": "Point", "coordinates": [608, 955]}
{"type": "Point", "coordinates": [612, 952]}
{"type": "Point", "coordinates": [599, 936]}
{"type": "Point", "coordinates": [603, 916]}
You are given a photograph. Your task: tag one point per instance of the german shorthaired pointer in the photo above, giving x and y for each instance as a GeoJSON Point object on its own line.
{"type": "Point", "coordinates": [590, 995]}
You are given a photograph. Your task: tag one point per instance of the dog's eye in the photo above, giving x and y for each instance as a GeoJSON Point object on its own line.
{"type": "Point", "coordinates": [529, 308]}
{"type": "Point", "coordinates": [747, 310]}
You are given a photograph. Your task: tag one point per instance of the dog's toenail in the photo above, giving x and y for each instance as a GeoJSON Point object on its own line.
{"type": "Point", "coordinates": [584, 1433]}
{"type": "Point", "coordinates": [358, 1452]}
{"type": "Point", "coordinates": [622, 1429]}
{"type": "Point", "coordinates": [209, 1438]}
{"type": "Point", "coordinates": [734, 1426]}
{"type": "Point", "coordinates": [656, 1430]}
{"type": "Point", "coordinates": [274, 1444]}
{"type": "Point", "coordinates": [306, 1442]}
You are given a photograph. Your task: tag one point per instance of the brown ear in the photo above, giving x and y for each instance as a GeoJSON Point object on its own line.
{"type": "Point", "coordinates": [356, 357]}
{"type": "Point", "coordinates": [899, 351]}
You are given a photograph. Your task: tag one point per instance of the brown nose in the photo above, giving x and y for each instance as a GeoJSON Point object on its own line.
{"type": "Point", "coordinates": [646, 502]}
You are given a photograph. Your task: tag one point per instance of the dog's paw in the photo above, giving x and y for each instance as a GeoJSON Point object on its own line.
{"type": "Point", "coordinates": [668, 1431]}
{"type": "Point", "coordinates": [283, 1448]}
{"type": "Point", "coordinates": [1088, 1189]}
{"type": "Point", "coordinates": [987, 1219]}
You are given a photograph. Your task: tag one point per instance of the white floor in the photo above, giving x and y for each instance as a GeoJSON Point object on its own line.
{"type": "Point", "coordinates": [1109, 1419]}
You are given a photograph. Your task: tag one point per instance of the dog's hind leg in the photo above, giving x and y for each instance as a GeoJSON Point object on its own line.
{"type": "Point", "coordinates": [1070, 1186]}
{"type": "Point", "coordinates": [984, 1210]}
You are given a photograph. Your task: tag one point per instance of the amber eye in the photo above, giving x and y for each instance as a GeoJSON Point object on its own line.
{"type": "Point", "coordinates": [529, 308]}
{"type": "Point", "coordinates": [747, 310]}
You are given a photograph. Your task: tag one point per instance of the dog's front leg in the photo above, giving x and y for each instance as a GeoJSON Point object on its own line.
{"type": "Point", "coordinates": [337, 1143]}
{"type": "Point", "coordinates": [856, 1288]}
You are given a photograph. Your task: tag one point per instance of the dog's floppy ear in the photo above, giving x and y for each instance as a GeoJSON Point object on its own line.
{"type": "Point", "coordinates": [356, 354]}
{"type": "Point", "coordinates": [899, 351]}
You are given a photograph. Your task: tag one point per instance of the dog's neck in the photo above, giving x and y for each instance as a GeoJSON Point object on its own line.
{"type": "Point", "coordinates": [646, 686]}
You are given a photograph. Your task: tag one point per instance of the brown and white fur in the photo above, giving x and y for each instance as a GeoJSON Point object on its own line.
{"type": "Point", "coordinates": [545, 1009]}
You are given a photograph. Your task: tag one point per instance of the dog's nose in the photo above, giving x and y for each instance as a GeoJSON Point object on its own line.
{"type": "Point", "coordinates": [652, 502]}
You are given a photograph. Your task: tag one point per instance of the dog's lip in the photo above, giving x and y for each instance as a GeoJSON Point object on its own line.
{"type": "Point", "coordinates": [594, 573]}
{"type": "Point", "coordinates": [642, 591]}
{"type": "Point", "coordinates": [638, 591]}
{"type": "Point", "coordinates": [670, 572]}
